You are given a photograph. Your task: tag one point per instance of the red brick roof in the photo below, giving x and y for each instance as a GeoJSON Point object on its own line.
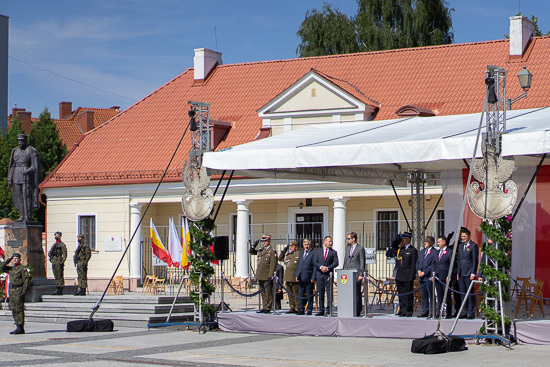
{"type": "Point", "coordinates": [136, 145]}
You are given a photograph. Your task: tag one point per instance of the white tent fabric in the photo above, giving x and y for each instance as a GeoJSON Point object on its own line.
{"type": "Point", "coordinates": [430, 143]}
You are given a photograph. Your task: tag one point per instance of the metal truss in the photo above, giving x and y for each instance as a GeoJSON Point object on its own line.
{"type": "Point", "coordinates": [417, 179]}
{"type": "Point", "coordinates": [496, 108]}
{"type": "Point", "coordinates": [200, 139]}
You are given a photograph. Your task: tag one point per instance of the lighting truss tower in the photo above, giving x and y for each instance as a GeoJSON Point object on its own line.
{"type": "Point", "coordinates": [200, 129]}
{"type": "Point", "coordinates": [417, 179]}
{"type": "Point", "coordinates": [492, 138]}
{"type": "Point", "coordinates": [496, 108]}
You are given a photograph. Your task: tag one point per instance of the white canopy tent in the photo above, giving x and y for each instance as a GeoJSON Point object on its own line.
{"type": "Point", "coordinates": [377, 151]}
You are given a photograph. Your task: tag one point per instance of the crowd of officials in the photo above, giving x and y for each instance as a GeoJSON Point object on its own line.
{"type": "Point", "coordinates": [19, 277]}
{"type": "Point", "coordinates": [307, 268]}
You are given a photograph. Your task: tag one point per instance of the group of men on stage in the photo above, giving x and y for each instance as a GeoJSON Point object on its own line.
{"type": "Point", "coordinates": [432, 264]}
{"type": "Point", "coordinates": [304, 269]}
{"type": "Point", "coordinates": [307, 267]}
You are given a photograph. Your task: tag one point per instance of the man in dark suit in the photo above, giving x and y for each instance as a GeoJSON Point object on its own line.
{"type": "Point", "coordinates": [304, 277]}
{"type": "Point", "coordinates": [441, 264]}
{"type": "Point", "coordinates": [325, 260]}
{"type": "Point", "coordinates": [405, 275]}
{"type": "Point", "coordinates": [468, 256]}
{"type": "Point", "coordinates": [355, 259]}
{"type": "Point", "coordinates": [424, 269]}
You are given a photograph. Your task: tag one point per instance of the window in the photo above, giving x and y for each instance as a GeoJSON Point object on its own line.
{"type": "Point", "coordinates": [86, 227]}
{"type": "Point", "coordinates": [387, 224]}
{"type": "Point", "coordinates": [440, 224]}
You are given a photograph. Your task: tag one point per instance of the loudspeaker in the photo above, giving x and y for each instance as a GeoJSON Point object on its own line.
{"type": "Point", "coordinates": [221, 247]}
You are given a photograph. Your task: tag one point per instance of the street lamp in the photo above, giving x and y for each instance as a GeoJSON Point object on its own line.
{"type": "Point", "coordinates": [525, 78]}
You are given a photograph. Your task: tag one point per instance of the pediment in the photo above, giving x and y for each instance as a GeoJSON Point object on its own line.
{"type": "Point", "coordinates": [313, 94]}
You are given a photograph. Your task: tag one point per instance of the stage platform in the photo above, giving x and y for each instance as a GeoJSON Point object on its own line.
{"type": "Point", "coordinates": [373, 326]}
{"type": "Point", "coordinates": [381, 325]}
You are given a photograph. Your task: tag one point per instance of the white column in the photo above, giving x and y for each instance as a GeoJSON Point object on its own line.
{"type": "Point", "coordinates": [242, 256]}
{"type": "Point", "coordinates": [339, 228]}
{"type": "Point", "coordinates": [135, 245]}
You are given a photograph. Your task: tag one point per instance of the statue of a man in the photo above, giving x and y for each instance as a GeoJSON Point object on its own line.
{"type": "Point", "coordinates": [24, 177]}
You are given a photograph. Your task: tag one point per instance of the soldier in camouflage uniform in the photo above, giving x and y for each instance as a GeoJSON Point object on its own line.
{"type": "Point", "coordinates": [267, 263]}
{"type": "Point", "coordinates": [81, 257]}
{"type": "Point", "coordinates": [19, 282]}
{"type": "Point", "coordinates": [57, 256]}
{"type": "Point", "coordinates": [291, 263]}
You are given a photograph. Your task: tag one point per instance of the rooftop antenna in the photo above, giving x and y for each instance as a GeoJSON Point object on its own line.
{"type": "Point", "coordinates": [216, 37]}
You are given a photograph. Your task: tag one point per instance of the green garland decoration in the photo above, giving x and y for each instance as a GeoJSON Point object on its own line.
{"type": "Point", "coordinates": [500, 233]}
{"type": "Point", "coordinates": [201, 240]}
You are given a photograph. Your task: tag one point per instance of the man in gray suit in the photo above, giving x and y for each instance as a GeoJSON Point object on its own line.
{"type": "Point", "coordinates": [355, 259]}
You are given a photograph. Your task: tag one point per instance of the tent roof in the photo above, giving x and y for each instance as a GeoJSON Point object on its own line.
{"type": "Point", "coordinates": [376, 151]}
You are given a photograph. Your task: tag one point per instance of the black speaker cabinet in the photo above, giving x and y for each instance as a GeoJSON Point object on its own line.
{"type": "Point", "coordinates": [221, 247]}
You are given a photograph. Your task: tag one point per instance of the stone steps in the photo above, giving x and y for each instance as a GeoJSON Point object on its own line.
{"type": "Point", "coordinates": [129, 310]}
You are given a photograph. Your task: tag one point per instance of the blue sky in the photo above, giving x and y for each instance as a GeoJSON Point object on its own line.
{"type": "Point", "coordinates": [102, 53]}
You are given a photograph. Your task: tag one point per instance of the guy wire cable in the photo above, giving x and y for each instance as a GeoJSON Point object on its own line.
{"type": "Point", "coordinates": [461, 217]}
{"type": "Point", "coordinates": [96, 307]}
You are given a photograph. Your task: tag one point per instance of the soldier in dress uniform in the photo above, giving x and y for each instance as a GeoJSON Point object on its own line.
{"type": "Point", "coordinates": [406, 259]}
{"type": "Point", "coordinates": [290, 256]}
{"type": "Point", "coordinates": [81, 257]}
{"type": "Point", "coordinates": [57, 256]}
{"type": "Point", "coordinates": [19, 282]}
{"type": "Point", "coordinates": [267, 263]}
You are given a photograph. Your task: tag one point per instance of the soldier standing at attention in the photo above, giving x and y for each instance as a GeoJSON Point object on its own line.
{"type": "Point", "coordinates": [57, 256]}
{"type": "Point", "coordinates": [19, 282]}
{"type": "Point", "coordinates": [81, 257]}
{"type": "Point", "coordinates": [267, 263]}
{"type": "Point", "coordinates": [291, 263]}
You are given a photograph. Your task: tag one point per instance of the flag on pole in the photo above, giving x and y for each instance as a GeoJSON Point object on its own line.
{"type": "Point", "coordinates": [186, 240]}
{"type": "Point", "coordinates": [174, 244]}
{"type": "Point", "coordinates": [158, 248]}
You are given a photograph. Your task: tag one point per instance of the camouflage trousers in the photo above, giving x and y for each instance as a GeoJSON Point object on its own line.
{"type": "Point", "coordinates": [58, 274]}
{"type": "Point", "coordinates": [82, 271]}
{"type": "Point", "coordinates": [17, 306]}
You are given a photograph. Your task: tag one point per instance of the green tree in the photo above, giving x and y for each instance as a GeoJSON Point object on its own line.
{"type": "Point", "coordinates": [44, 137]}
{"type": "Point", "coordinates": [8, 141]}
{"type": "Point", "coordinates": [538, 32]}
{"type": "Point", "coordinates": [327, 32]}
{"type": "Point", "coordinates": [378, 25]}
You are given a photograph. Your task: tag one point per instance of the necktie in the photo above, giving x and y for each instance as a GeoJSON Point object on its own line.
{"type": "Point", "coordinates": [305, 254]}
{"type": "Point", "coordinates": [325, 254]}
{"type": "Point", "coordinates": [425, 253]}
{"type": "Point", "coordinates": [440, 254]}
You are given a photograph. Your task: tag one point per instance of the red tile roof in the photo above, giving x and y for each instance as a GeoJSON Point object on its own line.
{"type": "Point", "coordinates": [136, 145]}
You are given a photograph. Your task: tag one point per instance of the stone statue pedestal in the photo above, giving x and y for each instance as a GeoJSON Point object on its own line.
{"type": "Point", "coordinates": [26, 239]}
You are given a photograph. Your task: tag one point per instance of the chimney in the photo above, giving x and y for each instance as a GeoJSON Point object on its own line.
{"type": "Point", "coordinates": [521, 33]}
{"type": "Point", "coordinates": [204, 62]}
{"type": "Point", "coordinates": [26, 121]}
{"type": "Point", "coordinates": [65, 109]}
{"type": "Point", "coordinates": [86, 121]}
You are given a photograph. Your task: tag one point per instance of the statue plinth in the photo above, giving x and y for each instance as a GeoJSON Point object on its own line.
{"type": "Point", "coordinates": [26, 239]}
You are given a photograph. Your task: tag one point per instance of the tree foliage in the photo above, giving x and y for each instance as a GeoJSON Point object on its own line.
{"type": "Point", "coordinates": [326, 32]}
{"type": "Point", "coordinates": [378, 25]}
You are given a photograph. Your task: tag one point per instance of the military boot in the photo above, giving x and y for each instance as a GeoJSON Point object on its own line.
{"type": "Point", "coordinates": [78, 292]}
{"type": "Point", "coordinates": [82, 291]}
{"type": "Point", "coordinates": [60, 291]}
{"type": "Point", "coordinates": [56, 292]}
{"type": "Point", "coordinates": [18, 330]}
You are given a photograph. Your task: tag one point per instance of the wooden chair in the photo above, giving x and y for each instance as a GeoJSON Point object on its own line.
{"type": "Point", "coordinates": [376, 292]}
{"type": "Point", "coordinates": [391, 288]}
{"type": "Point", "coordinates": [534, 301]}
{"type": "Point", "coordinates": [515, 289]}
{"type": "Point", "coordinates": [523, 297]}
{"type": "Point", "coordinates": [417, 295]}
{"type": "Point", "coordinates": [159, 286]}
{"type": "Point", "coordinates": [116, 286]}
{"type": "Point", "coordinates": [149, 284]}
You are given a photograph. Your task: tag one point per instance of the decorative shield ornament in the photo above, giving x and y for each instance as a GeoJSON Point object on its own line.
{"type": "Point", "coordinates": [198, 199]}
{"type": "Point", "coordinates": [343, 279]}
